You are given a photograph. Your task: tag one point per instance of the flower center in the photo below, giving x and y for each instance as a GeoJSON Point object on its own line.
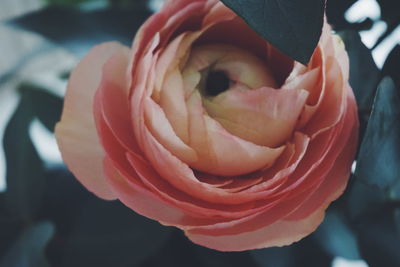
{"type": "Point", "coordinates": [216, 82]}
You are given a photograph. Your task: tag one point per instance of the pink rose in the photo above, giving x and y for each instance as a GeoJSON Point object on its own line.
{"type": "Point", "coordinates": [203, 125]}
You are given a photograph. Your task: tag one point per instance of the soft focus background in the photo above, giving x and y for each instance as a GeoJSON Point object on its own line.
{"type": "Point", "coordinates": [48, 219]}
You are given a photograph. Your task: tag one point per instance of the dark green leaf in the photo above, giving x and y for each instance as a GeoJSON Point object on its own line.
{"type": "Point", "coordinates": [58, 205]}
{"type": "Point", "coordinates": [306, 252]}
{"type": "Point", "coordinates": [379, 157]}
{"type": "Point", "coordinates": [397, 219]}
{"type": "Point", "coordinates": [395, 191]}
{"type": "Point", "coordinates": [280, 257]}
{"type": "Point", "coordinates": [9, 231]}
{"type": "Point", "coordinates": [309, 253]}
{"type": "Point", "coordinates": [336, 237]}
{"type": "Point", "coordinates": [389, 10]}
{"type": "Point", "coordinates": [78, 31]}
{"type": "Point", "coordinates": [47, 107]}
{"type": "Point", "coordinates": [66, 2]}
{"type": "Point", "coordinates": [107, 234]}
{"type": "Point", "coordinates": [179, 251]}
{"type": "Point", "coordinates": [10, 227]}
{"type": "Point", "coordinates": [379, 239]}
{"type": "Point", "coordinates": [362, 198]}
{"type": "Point", "coordinates": [335, 10]}
{"type": "Point", "coordinates": [392, 66]}
{"type": "Point", "coordinates": [176, 251]}
{"type": "Point", "coordinates": [28, 249]}
{"type": "Point", "coordinates": [212, 258]}
{"type": "Point", "coordinates": [25, 182]}
{"type": "Point", "coordinates": [364, 75]}
{"type": "Point", "coordinates": [292, 26]}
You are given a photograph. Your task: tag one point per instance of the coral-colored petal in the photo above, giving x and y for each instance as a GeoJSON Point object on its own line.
{"type": "Point", "coordinates": [76, 133]}
{"type": "Point", "coordinates": [182, 177]}
{"type": "Point", "coordinates": [336, 180]}
{"type": "Point", "coordinates": [311, 78]}
{"type": "Point", "coordinates": [264, 116]}
{"type": "Point", "coordinates": [214, 180]}
{"type": "Point", "coordinates": [320, 159]}
{"type": "Point", "coordinates": [172, 102]}
{"type": "Point", "coordinates": [240, 184]}
{"type": "Point", "coordinates": [280, 233]}
{"type": "Point", "coordinates": [112, 99]}
{"type": "Point", "coordinates": [333, 104]}
{"type": "Point", "coordinates": [307, 81]}
{"type": "Point", "coordinates": [283, 168]}
{"type": "Point", "coordinates": [214, 146]}
{"type": "Point", "coordinates": [271, 212]}
{"type": "Point", "coordinates": [217, 13]}
{"type": "Point", "coordinates": [185, 202]}
{"type": "Point", "coordinates": [146, 203]}
{"type": "Point", "coordinates": [170, 59]}
{"type": "Point", "coordinates": [136, 172]}
{"type": "Point", "coordinates": [144, 79]}
{"type": "Point", "coordinates": [161, 129]}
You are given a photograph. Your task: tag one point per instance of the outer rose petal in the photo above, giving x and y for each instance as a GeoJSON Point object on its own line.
{"type": "Point", "coordinates": [336, 180]}
{"type": "Point", "coordinates": [279, 234]}
{"type": "Point", "coordinates": [146, 203]}
{"type": "Point", "coordinates": [76, 132]}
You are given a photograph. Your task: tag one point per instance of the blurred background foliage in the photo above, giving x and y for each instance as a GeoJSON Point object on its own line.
{"type": "Point", "coordinates": [48, 219]}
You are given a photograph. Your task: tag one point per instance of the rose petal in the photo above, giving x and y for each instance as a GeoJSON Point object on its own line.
{"type": "Point", "coordinates": [280, 172]}
{"type": "Point", "coordinates": [76, 133]}
{"type": "Point", "coordinates": [193, 206]}
{"type": "Point", "coordinates": [319, 160]}
{"type": "Point", "coordinates": [214, 180]}
{"type": "Point", "coordinates": [332, 106]}
{"type": "Point", "coordinates": [161, 129]}
{"type": "Point", "coordinates": [280, 233]}
{"type": "Point", "coordinates": [240, 184]}
{"type": "Point", "coordinates": [141, 200]}
{"type": "Point", "coordinates": [264, 116]}
{"type": "Point", "coordinates": [217, 13]}
{"type": "Point", "coordinates": [137, 172]}
{"type": "Point", "coordinates": [336, 180]}
{"type": "Point", "coordinates": [214, 145]}
{"type": "Point", "coordinates": [112, 99]}
{"type": "Point", "coordinates": [172, 102]}
{"type": "Point", "coordinates": [272, 212]}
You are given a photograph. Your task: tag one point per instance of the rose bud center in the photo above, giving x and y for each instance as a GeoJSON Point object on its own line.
{"type": "Point", "coordinates": [217, 82]}
{"type": "Point", "coordinates": [220, 98]}
{"type": "Point", "coordinates": [238, 91]}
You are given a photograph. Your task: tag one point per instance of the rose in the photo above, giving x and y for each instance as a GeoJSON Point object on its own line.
{"type": "Point", "coordinates": [203, 125]}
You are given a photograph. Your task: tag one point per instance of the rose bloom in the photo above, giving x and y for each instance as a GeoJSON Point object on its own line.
{"type": "Point", "coordinates": [205, 126]}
